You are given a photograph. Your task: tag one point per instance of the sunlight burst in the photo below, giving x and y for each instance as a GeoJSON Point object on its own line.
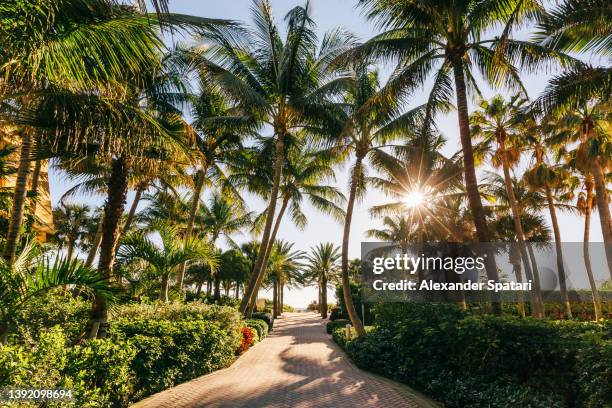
{"type": "Point", "coordinates": [414, 198]}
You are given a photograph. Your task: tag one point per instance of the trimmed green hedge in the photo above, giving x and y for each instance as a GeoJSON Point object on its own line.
{"type": "Point", "coordinates": [334, 324]}
{"type": "Point", "coordinates": [145, 352]}
{"type": "Point", "coordinates": [266, 317]}
{"type": "Point", "coordinates": [468, 361]}
{"type": "Point", "coordinates": [259, 325]}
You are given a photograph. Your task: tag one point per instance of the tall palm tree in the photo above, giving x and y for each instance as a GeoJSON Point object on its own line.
{"type": "Point", "coordinates": [164, 259]}
{"type": "Point", "coordinates": [497, 123]}
{"type": "Point", "coordinates": [216, 141]}
{"type": "Point", "coordinates": [455, 38]}
{"type": "Point", "coordinates": [221, 217]}
{"type": "Point", "coordinates": [369, 124]}
{"type": "Point", "coordinates": [322, 267]}
{"type": "Point", "coordinates": [284, 267]}
{"type": "Point", "coordinates": [74, 44]}
{"type": "Point", "coordinates": [589, 128]}
{"type": "Point", "coordinates": [303, 177]}
{"type": "Point", "coordinates": [278, 82]}
{"type": "Point", "coordinates": [585, 206]}
{"type": "Point", "coordinates": [70, 221]}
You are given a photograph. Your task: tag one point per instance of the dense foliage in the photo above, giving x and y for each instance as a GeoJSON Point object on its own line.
{"type": "Point", "coordinates": [149, 348]}
{"type": "Point", "coordinates": [473, 361]}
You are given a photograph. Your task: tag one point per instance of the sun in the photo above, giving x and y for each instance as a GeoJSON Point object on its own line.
{"type": "Point", "coordinates": [414, 198]}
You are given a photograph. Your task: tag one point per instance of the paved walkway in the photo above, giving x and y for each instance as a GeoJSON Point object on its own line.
{"type": "Point", "coordinates": [296, 366]}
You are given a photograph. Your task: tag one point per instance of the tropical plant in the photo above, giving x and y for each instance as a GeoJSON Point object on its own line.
{"type": "Point", "coordinates": [284, 268]}
{"type": "Point", "coordinates": [368, 126]}
{"type": "Point", "coordinates": [278, 82]}
{"type": "Point", "coordinates": [70, 222]}
{"type": "Point", "coordinates": [164, 259]}
{"type": "Point", "coordinates": [497, 125]}
{"type": "Point", "coordinates": [322, 267]}
{"type": "Point", "coordinates": [456, 39]}
{"type": "Point", "coordinates": [31, 274]}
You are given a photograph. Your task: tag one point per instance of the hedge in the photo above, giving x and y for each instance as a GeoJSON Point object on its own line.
{"type": "Point", "coordinates": [266, 317]}
{"type": "Point", "coordinates": [260, 325]}
{"type": "Point", "coordinates": [334, 324]}
{"type": "Point", "coordinates": [144, 352]}
{"type": "Point", "coordinates": [468, 361]}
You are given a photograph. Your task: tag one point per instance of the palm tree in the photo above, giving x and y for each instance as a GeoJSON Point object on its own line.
{"type": "Point", "coordinates": [164, 259]}
{"type": "Point", "coordinates": [368, 125]}
{"type": "Point", "coordinates": [498, 122]}
{"type": "Point", "coordinates": [216, 141]}
{"type": "Point", "coordinates": [277, 82]}
{"type": "Point", "coordinates": [304, 172]}
{"type": "Point", "coordinates": [221, 217]}
{"type": "Point", "coordinates": [423, 184]}
{"type": "Point", "coordinates": [451, 37]}
{"type": "Point", "coordinates": [322, 267]}
{"type": "Point", "coordinates": [65, 43]}
{"type": "Point", "coordinates": [590, 128]}
{"type": "Point", "coordinates": [31, 274]}
{"type": "Point", "coordinates": [284, 267]}
{"type": "Point", "coordinates": [70, 221]}
{"type": "Point", "coordinates": [581, 27]}
{"type": "Point", "coordinates": [585, 206]}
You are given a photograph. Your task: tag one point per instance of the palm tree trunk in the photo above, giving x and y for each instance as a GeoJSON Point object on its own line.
{"type": "Point", "coordinates": [603, 206]}
{"type": "Point", "coordinates": [282, 296]}
{"type": "Point", "coordinates": [130, 217]}
{"type": "Point", "coordinates": [587, 257]}
{"type": "Point", "coordinates": [277, 224]}
{"type": "Point", "coordinates": [113, 210]}
{"type": "Point", "coordinates": [471, 183]}
{"type": "Point", "coordinates": [237, 294]}
{"type": "Point", "coordinates": [96, 243]}
{"type": "Point", "coordinates": [199, 288]}
{"type": "Point", "coordinates": [19, 198]}
{"type": "Point", "coordinates": [257, 275]}
{"type": "Point", "coordinates": [275, 299]}
{"type": "Point", "coordinates": [193, 211]}
{"type": "Point", "coordinates": [70, 250]}
{"type": "Point", "coordinates": [163, 295]}
{"type": "Point", "coordinates": [346, 284]}
{"type": "Point", "coordinates": [559, 250]}
{"type": "Point", "coordinates": [34, 184]}
{"type": "Point", "coordinates": [324, 297]}
{"type": "Point", "coordinates": [520, 235]}
{"type": "Point", "coordinates": [208, 286]}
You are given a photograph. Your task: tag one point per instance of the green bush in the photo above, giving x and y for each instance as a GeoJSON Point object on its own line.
{"type": "Point", "coordinates": [98, 371]}
{"type": "Point", "coordinates": [332, 325]}
{"type": "Point", "coordinates": [171, 352]}
{"type": "Point", "coordinates": [49, 310]}
{"type": "Point", "coordinates": [356, 293]}
{"type": "Point", "coordinates": [227, 317]}
{"type": "Point", "coordinates": [469, 361]}
{"type": "Point", "coordinates": [259, 325]}
{"type": "Point", "coordinates": [266, 317]}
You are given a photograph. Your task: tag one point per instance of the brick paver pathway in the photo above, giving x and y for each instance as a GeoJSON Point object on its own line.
{"type": "Point", "coordinates": [296, 366]}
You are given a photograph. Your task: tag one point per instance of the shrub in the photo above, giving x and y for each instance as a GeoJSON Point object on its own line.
{"type": "Point", "coordinates": [260, 325]}
{"type": "Point", "coordinates": [266, 317]}
{"type": "Point", "coordinates": [288, 308]}
{"type": "Point", "coordinates": [98, 372]}
{"type": "Point", "coordinates": [171, 352]}
{"type": "Point", "coordinates": [335, 314]}
{"type": "Point", "coordinates": [228, 318]}
{"type": "Point", "coordinates": [332, 325]}
{"type": "Point", "coordinates": [248, 335]}
{"type": "Point", "coordinates": [356, 293]}
{"type": "Point", "coordinates": [469, 361]}
{"type": "Point", "coordinates": [48, 310]}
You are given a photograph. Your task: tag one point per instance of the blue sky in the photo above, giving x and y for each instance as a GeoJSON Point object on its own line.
{"type": "Point", "coordinates": [329, 14]}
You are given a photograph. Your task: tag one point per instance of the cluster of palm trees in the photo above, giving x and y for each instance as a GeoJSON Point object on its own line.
{"type": "Point", "coordinates": [92, 86]}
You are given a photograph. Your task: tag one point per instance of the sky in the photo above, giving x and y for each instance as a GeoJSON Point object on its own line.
{"type": "Point", "coordinates": [329, 14]}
